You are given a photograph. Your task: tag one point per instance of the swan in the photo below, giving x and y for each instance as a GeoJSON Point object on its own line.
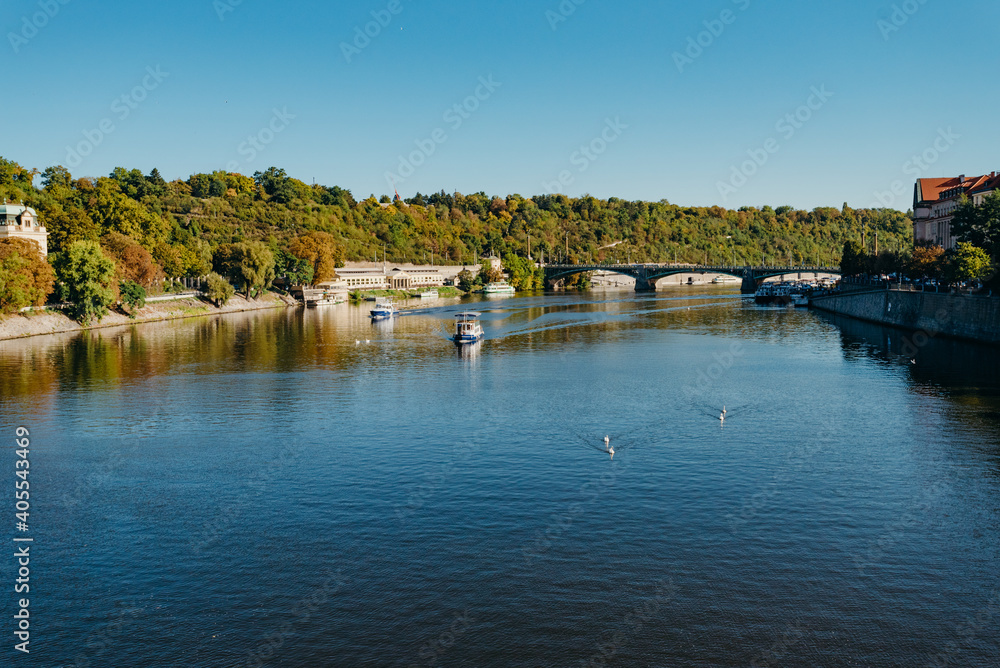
{"type": "Point", "coordinates": [612, 451]}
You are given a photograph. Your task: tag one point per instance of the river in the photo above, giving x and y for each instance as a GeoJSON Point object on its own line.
{"type": "Point", "coordinates": [304, 488]}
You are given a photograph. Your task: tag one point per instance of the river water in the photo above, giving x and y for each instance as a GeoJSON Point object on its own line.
{"type": "Point", "coordinates": [304, 488]}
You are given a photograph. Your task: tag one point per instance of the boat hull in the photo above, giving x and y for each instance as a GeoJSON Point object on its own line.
{"type": "Point", "coordinates": [467, 338]}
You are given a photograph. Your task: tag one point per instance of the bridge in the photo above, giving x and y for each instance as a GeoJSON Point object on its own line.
{"type": "Point", "coordinates": [646, 275]}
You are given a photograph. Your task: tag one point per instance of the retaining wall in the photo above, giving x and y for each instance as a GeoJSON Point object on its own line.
{"type": "Point", "coordinates": [958, 316]}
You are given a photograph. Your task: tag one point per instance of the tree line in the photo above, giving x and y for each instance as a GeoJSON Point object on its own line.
{"type": "Point", "coordinates": [250, 230]}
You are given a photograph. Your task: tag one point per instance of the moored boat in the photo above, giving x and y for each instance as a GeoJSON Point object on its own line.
{"type": "Point", "coordinates": [428, 294]}
{"type": "Point", "coordinates": [499, 288]}
{"type": "Point", "coordinates": [467, 327]}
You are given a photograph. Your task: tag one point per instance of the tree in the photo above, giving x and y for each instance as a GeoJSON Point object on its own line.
{"type": "Point", "coordinates": [296, 271]}
{"type": "Point", "coordinates": [969, 263]}
{"type": "Point", "coordinates": [322, 251]}
{"type": "Point", "coordinates": [467, 281]}
{"type": "Point", "coordinates": [979, 225]}
{"type": "Point", "coordinates": [250, 264]}
{"type": "Point", "coordinates": [88, 279]}
{"type": "Point", "coordinates": [26, 273]}
{"type": "Point", "coordinates": [113, 211]}
{"type": "Point", "coordinates": [133, 296]}
{"type": "Point", "coordinates": [926, 262]}
{"type": "Point", "coordinates": [14, 284]}
{"type": "Point", "coordinates": [218, 289]}
{"type": "Point", "coordinates": [133, 262]}
{"type": "Point", "coordinates": [57, 176]}
{"type": "Point", "coordinates": [276, 184]}
{"type": "Point", "coordinates": [853, 261]}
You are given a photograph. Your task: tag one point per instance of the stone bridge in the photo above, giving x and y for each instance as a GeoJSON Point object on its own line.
{"type": "Point", "coordinates": [646, 275]}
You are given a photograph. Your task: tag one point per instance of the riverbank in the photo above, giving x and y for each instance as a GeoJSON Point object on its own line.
{"type": "Point", "coordinates": [955, 316]}
{"type": "Point", "coordinates": [51, 321]}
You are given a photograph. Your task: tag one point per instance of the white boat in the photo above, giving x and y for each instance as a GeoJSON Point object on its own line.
{"type": "Point", "coordinates": [428, 294]}
{"type": "Point", "coordinates": [467, 327]}
{"type": "Point", "coordinates": [383, 310]}
{"type": "Point", "coordinates": [727, 279]}
{"type": "Point", "coordinates": [325, 301]}
{"type": "Point", "coordinates": [499, 288]}
{"type": "Point", "coordinates": [800, 300]}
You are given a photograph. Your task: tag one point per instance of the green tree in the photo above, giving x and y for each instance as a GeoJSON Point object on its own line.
{"type": "Point", "coordinates": [133, 296]}
{"type": "Point", "coordinates": [218, 289]}
{"type": "Point", "coordinates": [853, 261]}
{"type": "Point", "coordinates": [467, 281]}
{"type": "Point", "coordinates": [250, 264]}
{"type": "Point", "coordinates": [969, 263]}
{"type": "Point", "coordinates": [88, 279]}
{"type": "Point", "coordinates": [296, 271]}
{"type": "Point", "coordinates": [979, 225]}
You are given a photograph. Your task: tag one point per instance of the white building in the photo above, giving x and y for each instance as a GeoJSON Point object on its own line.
{"type": "Point", "coordinates": [19, 221]}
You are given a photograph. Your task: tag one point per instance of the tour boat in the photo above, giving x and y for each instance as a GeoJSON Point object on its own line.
{"type": "Point", "coordinates": [800, 300]}
{"type": "Point", "coordinates": [467, 327]}
{"type": "Point", "coordinates": [726, 279]}
{"type": "Point", "coordinates": [383, 310]}
{"type": "Point", "coordinates": [429, 294]}
{"type": "Point", "coordinates": [499, 288]}
{"type": "Point", "coordinates": [325, 300]}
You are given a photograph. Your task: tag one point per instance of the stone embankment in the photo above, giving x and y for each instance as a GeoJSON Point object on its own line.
{"type": "Point", "coordinates": [966, 317]}
{"type": "Point", "coordinates": [34, 323]}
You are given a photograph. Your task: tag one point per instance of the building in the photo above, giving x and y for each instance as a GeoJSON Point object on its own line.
{"type": "Point", "coordinates": [935, 202]}
{"type": "Point", "coordinates": [363, 279]}
{"type": "Point", "coordinates": [19, 221]}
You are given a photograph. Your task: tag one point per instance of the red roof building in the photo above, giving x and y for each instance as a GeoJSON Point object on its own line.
{"type": "Point", "coordinates": [935, 201]}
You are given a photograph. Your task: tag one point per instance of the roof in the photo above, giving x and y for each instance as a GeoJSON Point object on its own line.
{"type": "Point", "coordinates": [934, 190]}
{"type": "Point", "coordinates": [16, 210]}
{"type": "Point", "coordinates": [989, 184]}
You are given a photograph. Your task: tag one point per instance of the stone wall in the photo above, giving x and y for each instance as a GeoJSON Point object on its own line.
{"type": "Point", "coordinates": [964, 317]}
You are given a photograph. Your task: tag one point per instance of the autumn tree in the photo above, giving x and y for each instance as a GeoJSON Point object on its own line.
{"type": "Point", "coordinates": [322, 251]}
{"type": "Point", "coordinates": [26, 279]}
{"type": "Point", "coordinates": [132, 261]}
{"type": "Point", "coordinates": [926, 261]}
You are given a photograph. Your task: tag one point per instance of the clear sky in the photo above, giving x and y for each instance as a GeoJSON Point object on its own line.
{"type": "Point", "coordinates": [184, 85]}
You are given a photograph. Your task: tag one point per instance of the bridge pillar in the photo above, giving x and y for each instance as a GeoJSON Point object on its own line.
{"type": "Point", "coordinates": [643, 284]}
{"type": "Point", "coordinates": [749, 286]}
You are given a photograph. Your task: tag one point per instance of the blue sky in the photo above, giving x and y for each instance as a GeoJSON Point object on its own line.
{"type": "Point", "coordinates": [702, 129]}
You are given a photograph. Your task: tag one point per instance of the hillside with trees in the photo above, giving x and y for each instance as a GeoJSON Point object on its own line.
{"type": "Point", "coordinates": [250, 229]}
